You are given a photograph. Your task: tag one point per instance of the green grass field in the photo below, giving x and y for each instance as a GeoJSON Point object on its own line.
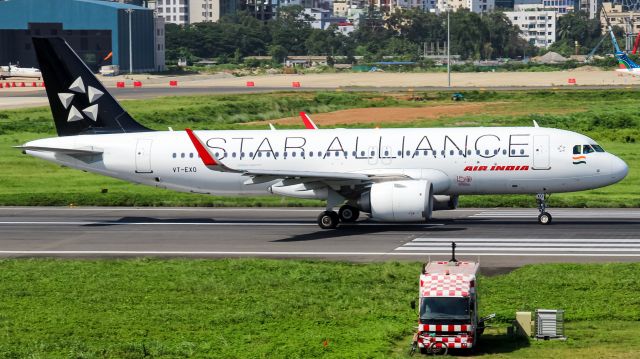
{"type": "Point", "coordinates": [239, 308]}
{"type": "Point", "coordinates": [609, 116]}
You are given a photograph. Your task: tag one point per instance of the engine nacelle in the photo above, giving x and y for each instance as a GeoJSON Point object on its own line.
{"type": "Point", "coordinates": [443, 202]}
{"type": "Point", "coordinates": [399, 201]}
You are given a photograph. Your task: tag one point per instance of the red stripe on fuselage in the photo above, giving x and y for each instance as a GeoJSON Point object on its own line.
{"type": "Point", "coordinates": [207, 159]}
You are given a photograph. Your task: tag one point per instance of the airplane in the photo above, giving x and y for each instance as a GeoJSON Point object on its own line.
{"type": "Point", "coordinates": [15, 71]}
{"type": "Point", "coordinates": [626, 64]}
{"type": "Point", "coordinates": [393, 175]}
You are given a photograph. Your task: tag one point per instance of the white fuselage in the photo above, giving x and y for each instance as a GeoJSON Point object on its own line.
{"type": "Point", "coordinates": [482, 160]}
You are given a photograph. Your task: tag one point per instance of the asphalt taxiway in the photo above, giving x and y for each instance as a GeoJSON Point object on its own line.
{"type": "Point", "coordinates": [499, 237]}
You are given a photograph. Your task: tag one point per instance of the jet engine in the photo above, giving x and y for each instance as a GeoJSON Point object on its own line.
{"type": "Point", "coordinates": [399, 201]}
{"type": "Point", "coordinates": [443, 202]}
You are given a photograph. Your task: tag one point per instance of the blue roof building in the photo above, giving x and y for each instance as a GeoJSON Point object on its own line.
{"type": "Point", "coordinates": [97, 30]}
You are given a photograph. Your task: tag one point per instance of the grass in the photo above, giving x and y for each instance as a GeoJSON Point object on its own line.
{"type": "Point", "coordinates": [237, 308]}
{"type": "Point", "coordinates": [609, 116]}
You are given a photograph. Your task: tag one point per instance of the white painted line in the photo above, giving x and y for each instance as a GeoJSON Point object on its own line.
{"type": "Point", "coordinates": [460, 249]}
{"type": "Point", "coordinates": [160, 209]}
{"type": "Point", "coordinates": [525, 240]}
{"type": "Point", "coordinates": [238, 223]}
{"type": "Point", "coordinates": [463, 245]}
{"type": "Point", "coordinates": [296, 254]}
{"type": "Point", "coordinates": [107, 223]}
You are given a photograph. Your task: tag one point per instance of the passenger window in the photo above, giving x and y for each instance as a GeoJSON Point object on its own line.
{"type": "Point", "coordinates": [362, 153]}
{"type": "Point", "coordinates": [486, 152]}
{"type": "Point", "coordinates": [268, 154]}
{"type": "Point", "coordinates": [469, 152]}
{"type": "Point", "coordinates": [311, 154]}
{"type": "Point", "coordinates": [577, 149]}
{"type": "Point", "coordinates": [386, 153]}
{"type": "Point", "coordinates": [174, 155]}
{"type": "Point", "coordinates": [451, 152]}
{"type": "Point", "coordinates": [319, 154]}
{"type": "Point", "coordinates": [182, 155]}
{"type": "Point", "coordinates": [587, 149]}
{"type": "Point", "coordinates": [293, 154]}
{"type": "Point", "coordinates": [259, 154]}
{"type": "Point", "coordinates": [504, 152]}
{"type": "Point", "coordinates": [337, 154]}
{"type": "Point", "coordinates": [408, 153]}
{"type": "Point", "coordinates": [233, 155]}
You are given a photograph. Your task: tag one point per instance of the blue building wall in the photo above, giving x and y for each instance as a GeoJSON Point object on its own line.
{"type": "Point", "coordinates": [88, 15]}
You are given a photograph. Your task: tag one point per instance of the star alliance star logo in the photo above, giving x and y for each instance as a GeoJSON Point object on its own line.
{"type": "Point", "coordinates": [93, 94]}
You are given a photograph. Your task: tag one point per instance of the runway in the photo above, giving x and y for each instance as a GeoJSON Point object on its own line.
{"type": "Point", "coordinates": [498, 237]}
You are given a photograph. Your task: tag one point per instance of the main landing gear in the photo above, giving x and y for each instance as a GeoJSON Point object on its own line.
{"type": "Point", "coordinates": [330, 219]}
{"type": "Point", "coordinates": [544, 217]}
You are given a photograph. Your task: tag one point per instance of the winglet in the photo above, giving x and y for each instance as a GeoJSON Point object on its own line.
{"type": "Point", "coordinates": [307, 121]}
{"type": "Point", "coordinates": [272, 127]}
{"type": "Point", "coordinates": [204, 154]}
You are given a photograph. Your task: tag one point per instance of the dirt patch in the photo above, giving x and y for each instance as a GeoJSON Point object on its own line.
{"type": "Point", "coordinates": [385, 114]}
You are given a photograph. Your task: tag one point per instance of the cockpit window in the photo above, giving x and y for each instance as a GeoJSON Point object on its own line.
{"type": "Point", "coordinates": [577, 149]}
{"type": "Point", "coordinates": [597, 148]}
{"type": "Point", "coordinates": [587, 149]}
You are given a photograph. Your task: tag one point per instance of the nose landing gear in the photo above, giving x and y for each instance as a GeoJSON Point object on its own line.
{"type": "Point", "coordinates": [544, 217]}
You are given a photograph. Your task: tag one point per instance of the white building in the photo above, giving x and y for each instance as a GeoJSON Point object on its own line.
{"type": "Point", "coordinates": [321, 18]}
{"type": "Point", "coordinates": [537, 26]}
{"type": "Point", "coordinates": [477, 6]}
{"type": "Point", "coordinates": [173, 11]}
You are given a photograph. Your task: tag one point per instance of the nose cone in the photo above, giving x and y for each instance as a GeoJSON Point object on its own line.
{"type": "Point", "coordinates": [619, 169]}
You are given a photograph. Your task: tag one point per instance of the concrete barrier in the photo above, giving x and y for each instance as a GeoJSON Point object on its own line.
{"type": "Point", "coordinates": [251, 84]}
{"type": "Point", "coordinates": [173, 83]}
{"type": "Point", "coordinates": [120, 84]}
{"type": "Point", "coordinates": [137, 83]}
{"type": "Point", "coordinates": [295, 84]}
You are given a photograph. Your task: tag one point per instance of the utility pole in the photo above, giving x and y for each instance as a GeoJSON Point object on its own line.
{"type": "Point", "coordinates": [130, 11]}
{"type": "Point", "coordinates": [448, 50]}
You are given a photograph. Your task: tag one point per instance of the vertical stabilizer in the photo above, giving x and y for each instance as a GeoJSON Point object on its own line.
{"type": "Point", "coordinates": [79, 102]}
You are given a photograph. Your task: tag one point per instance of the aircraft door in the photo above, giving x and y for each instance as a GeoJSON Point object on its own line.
{"type": "Point", "coordinates": [541, 152]}
{"type": "Point", "coordinates": [143, 156]}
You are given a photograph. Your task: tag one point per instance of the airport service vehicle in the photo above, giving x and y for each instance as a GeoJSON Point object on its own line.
{"type": "Point", "coordinates": [15, 71]}
{"type": "Point", "coordinates": [393, 175]}
{"type": "Point", "coordinates": [448, 307]}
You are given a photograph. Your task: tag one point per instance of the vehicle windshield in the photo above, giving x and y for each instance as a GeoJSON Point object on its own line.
{"type": "Point", "coordinates": [435, 308]}
{"type": "Point", "coordinates": [597, 148]}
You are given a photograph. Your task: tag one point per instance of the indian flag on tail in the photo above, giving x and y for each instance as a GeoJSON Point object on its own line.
{"type": "Point", "coordinates": [579, 159]}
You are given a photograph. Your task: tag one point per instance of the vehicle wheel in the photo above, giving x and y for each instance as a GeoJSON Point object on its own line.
{"type": "Point", "coordinates": [328, 220]}
{"type": "Point", "coordinates": [438, 348]}
{"type": "Point", "coordinates": [348, 213]}
{"type": "Point", "coordinates": [544, 218]}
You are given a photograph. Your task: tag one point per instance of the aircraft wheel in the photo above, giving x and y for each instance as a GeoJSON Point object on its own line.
{"type": "Point", "coordinates": [348, 214]}
{"type": "Point", "coordinates": [328, 220]}
{"type": "Point", "coordinates": [544, 218]}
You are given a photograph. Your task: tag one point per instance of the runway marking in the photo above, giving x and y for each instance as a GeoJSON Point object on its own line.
{"type": "Point", "coordinates": [525, 246]}
{"type": "Point", "coordinates": [238, 223]}
{"type": "Point", "coordinates": [293, 254]}
{"type": "Point", "coordinates": [559, 213]}
{"type": "Point", "coordinates": [155, 209]}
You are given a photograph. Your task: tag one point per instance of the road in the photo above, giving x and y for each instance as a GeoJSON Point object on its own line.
{"type": "Point", "coordinates": [500, 237]}
{"type": "Point", "coordinates": [31, 98]}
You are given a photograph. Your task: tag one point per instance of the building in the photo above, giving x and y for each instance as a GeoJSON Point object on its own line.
{"type": "Point", "coordinates": [560, 6]}
{"type": "Point", "coordinates": [97, 30]}
{"type": "Point", "coordinates": [477, 6]}
{"type": "Point", "coordinates": [173, 11]}
{"type": "Point", "coordinates": [538, 26]}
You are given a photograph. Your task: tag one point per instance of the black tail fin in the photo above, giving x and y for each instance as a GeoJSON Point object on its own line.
{"type": "Point", "coordinates": [79, 102]}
